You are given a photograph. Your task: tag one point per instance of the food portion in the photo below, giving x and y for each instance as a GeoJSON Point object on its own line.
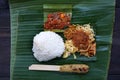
{"type": "Point", "coordinates": [70, 49]}
{"type": "Point", "coordinates": [76, 68]}
{"type": "Point", "coordinates": [57, 20]}
{"type": "Point", "coordinates": [79, 38]}
{"type": "Point", "coordinates": [72, 68]}
{"type": "Point", "coordinates": [47, 45]}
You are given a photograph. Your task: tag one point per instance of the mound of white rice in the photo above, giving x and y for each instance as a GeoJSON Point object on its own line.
{"type": "Point", "coordinates": [47, 45]}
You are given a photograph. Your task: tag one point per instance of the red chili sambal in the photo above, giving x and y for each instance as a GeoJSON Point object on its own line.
{"type": "Point", "coordinates": [57, 20]}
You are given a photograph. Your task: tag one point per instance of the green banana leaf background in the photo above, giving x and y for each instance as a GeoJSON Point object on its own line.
{"type": "Point", "coordinates": [27, 20]}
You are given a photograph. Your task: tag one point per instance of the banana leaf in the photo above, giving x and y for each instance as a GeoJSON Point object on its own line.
{"type": "Point", "coordinates": [27, 19]}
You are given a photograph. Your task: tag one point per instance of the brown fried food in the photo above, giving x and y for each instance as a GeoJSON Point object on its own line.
{"type": "Point", "coordinates": [82, 38]}
{"type": "Point", "coordinates": [91, 51]}
{"type": "Point", "coordinates": [68, 33]}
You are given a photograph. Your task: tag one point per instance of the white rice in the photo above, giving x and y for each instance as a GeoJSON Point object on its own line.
{"type": "Point", "coordinates": [47, 45]}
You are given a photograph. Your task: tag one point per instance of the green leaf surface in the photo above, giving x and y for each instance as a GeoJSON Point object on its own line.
{"type": "Point", "coordinates": [27, 19]}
